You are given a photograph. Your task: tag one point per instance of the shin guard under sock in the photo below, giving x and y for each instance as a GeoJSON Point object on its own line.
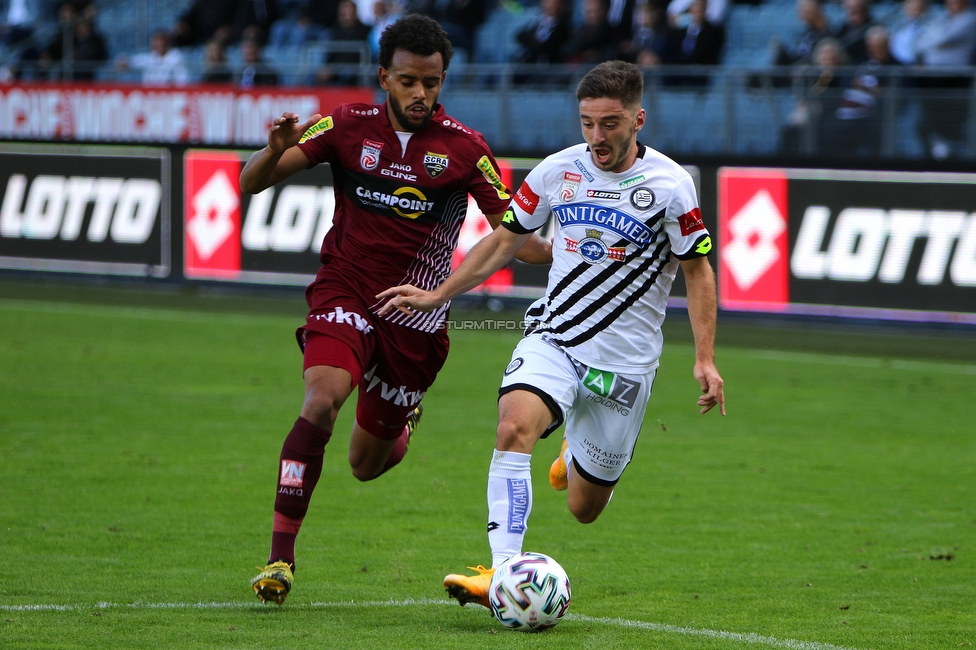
{"type": "Point", "coordinates": [509, 503]}
{"type": "Point", "coordinates": [299, 468]}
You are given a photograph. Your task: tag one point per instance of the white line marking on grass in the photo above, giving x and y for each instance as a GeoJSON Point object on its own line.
{"type": "Point", "coordinates": [755, 639]}
{"type": "Point", "coordinates": [713, 634]}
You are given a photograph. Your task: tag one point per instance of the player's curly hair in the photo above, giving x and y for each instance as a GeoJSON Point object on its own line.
{"type": "Point", "coordinates": [416, 34]}
{"type": "Point", "coordinates": [613, 80]}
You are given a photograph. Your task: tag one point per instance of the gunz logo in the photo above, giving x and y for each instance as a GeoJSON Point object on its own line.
{"type": "Point", "coordinates": [56, 206]}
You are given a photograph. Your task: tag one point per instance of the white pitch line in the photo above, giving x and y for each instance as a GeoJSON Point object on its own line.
{"type": "Point", "coordinates": [755, 639]}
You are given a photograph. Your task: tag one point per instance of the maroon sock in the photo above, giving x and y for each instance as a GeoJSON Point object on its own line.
{"type": "Point", "coordinates": [299, 468]}
{"type": "Point", "coordinates": [398, 452]}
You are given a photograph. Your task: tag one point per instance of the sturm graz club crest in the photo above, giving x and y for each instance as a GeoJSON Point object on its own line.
{"type": "Point", "coordinates": [435, 163]}
{"type": "Point", "coordinates": [642, 198]}
{"type": "Point", "coordinates": [369, 159]}
{"type": "Point", "coordinates": [513, 366]}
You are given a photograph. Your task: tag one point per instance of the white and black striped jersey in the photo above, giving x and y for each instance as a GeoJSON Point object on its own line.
{"type": "Point", "coordinates": [618, 239]}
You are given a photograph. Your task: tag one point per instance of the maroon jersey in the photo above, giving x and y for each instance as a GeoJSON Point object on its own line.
{"type": "Point", "coordinates": [399, 206]}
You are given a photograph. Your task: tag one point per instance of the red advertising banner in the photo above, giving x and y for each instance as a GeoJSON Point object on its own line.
{"type": "Point", "coordinates": [217, 115]}
{"type": "Point", "coordinates": [212, 216]}
{"type": "Point", "coordinates": [753, 229]}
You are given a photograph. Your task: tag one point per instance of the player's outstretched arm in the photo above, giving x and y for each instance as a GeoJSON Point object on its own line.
{"type": "Point", "coordinates": [281, 158]}
{"type": "Point", "coordinates": [535, 251]}
{"type": "Point", "coordinates": [702, 304]}
{"type": "Point", "coordinates": [487, 256]}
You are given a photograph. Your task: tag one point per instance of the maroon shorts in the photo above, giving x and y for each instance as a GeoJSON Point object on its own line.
{"type": "Point", "coordinates": [392, 364]}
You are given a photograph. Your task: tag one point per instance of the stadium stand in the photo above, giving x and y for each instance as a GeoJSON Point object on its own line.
{"type": "Point", "coordinates": [740, 111]}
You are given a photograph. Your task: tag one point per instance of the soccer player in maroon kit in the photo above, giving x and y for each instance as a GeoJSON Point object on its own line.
{"type": "Point", "coordinates": [402, 173]}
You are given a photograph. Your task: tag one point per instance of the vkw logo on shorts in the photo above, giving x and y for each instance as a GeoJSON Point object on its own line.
{"type": "Point", "coordinates": [369, 159]}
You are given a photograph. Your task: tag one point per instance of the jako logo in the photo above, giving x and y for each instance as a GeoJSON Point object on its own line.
{"type": "Point", "coordinates": [56, 207]}
{"type": "Point", "coordinates": [869, 242]}
{"type": "Point", "coordinates": [399, 395]}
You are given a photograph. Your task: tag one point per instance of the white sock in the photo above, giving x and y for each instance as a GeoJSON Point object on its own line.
{"type": "Point", "coordinates": [509, 503]}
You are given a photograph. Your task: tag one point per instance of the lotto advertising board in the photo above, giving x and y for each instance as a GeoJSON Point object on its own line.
{"type": "Point", "coordinates": [274, 237]}
{"type": "Point", "coordinates": [98, 210]}
{"type": "Point", "coordinates": [887, 245]}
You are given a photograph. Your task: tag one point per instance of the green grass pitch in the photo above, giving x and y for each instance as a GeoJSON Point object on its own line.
{"type": "Point", "coordinates": [832, 508]}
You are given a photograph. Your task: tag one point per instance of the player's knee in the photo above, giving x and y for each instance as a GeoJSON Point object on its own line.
{"type": "Point", "coordinates": [513, 435]}
{"type": "Point", "coordinates": [321, 406]}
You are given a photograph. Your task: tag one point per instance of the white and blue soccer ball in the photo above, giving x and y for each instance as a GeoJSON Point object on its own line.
{"type": "Point", "coordinates": [529, 592]}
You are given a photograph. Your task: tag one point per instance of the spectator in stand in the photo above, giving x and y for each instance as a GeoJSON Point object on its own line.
{"type": "Point", "coordinates": [700, 43]}
{"type": "Point", "coordinates": [461, 19]}
{"type": "Point", "coordinates": [542, 40]}
{"type": "Point", "coordinates": [816, 27]}
{"type": "Point", "coordinates": [857, 21]}
{"type": "Point", "coordinates": [650, 44]}
{"type": "Point", "coordinates": [18, 23]}
{"type": "Point", "coordinates": [905, 30]}
{"type": "Point", "coordinates": [857, 129]}
{"type": "Point", "coordinates": [254, 71]}
{"type": "Point", "coordinates": [679, 15]}
{"type": "Point", "coordinates": [349, 29]}
{"type": "Point", "coordinates": [593, 41]}
{"type": "Point", "coordinates": [805, 125]}
{"type": "Point", "coordinates": [215, 68]}
{"type": "Point", "coordinates": [385, 13]}
{"type": "Point", "coordinates": [88, 50]}
{"type": "Point", "coordinates": [948, 41]}
{"type": "Point", "coordinates": [622, 14]}
{"type": "Point", "coordinates": [162, 66]}
{"type": "Point", "coordinates": [303, 21]}
{"type": "Point", "coordinates": [223, 20]}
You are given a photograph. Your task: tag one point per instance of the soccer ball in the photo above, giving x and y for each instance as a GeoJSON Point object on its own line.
{"type": "Point", "coordinates": [529, 592]}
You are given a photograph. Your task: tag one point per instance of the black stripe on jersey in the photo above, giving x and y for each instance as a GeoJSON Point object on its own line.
{"type": "Point", "coordinates": [611, 293]}
{"type": "Point", "coordinates": [617, 312]}
{"type": "Point", "coordinates": [601, 277]}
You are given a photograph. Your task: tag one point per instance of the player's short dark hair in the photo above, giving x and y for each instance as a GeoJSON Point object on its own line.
{"type": "Point", "coordinates": [613, 80]}
{"type": "Point", "coordinates": [416, 34]}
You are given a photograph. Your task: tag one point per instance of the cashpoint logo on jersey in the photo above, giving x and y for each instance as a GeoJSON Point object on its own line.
{"type": "Point", "coordinates": [212, 214]}
{"type": "Point", "coordinates": [754, 258]}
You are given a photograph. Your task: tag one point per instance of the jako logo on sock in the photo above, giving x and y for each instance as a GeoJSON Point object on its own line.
{"type": "Point", "coordinates": [518, 504]}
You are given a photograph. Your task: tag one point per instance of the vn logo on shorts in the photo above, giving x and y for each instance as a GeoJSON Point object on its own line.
{"type": "Point", "coordinates": [611, 390]}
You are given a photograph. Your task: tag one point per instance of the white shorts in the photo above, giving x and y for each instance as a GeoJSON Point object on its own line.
{"type": "Point", "coordinates": [603, 410]}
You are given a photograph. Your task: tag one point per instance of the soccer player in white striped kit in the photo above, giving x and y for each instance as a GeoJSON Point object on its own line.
{"type": "Point", "coordinates": [626, 217]}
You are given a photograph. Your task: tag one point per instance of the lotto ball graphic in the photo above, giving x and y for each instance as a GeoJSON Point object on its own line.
{"type": "Point", "coordinates": [529, 592]}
